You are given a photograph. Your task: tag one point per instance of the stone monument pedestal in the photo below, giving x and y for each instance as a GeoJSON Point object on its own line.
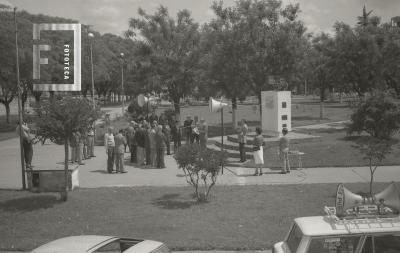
{"type": "Point", "coordinates": [276, 112]}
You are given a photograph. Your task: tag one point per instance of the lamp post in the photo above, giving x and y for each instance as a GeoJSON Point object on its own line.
{"type": "Point", "coordinates": [122, 83]}
{"type": "Point", "coordinates": [91, 36]}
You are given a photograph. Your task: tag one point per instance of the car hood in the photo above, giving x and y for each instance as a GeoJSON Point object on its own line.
{"type": "Point", "coordinates": [76, 244]}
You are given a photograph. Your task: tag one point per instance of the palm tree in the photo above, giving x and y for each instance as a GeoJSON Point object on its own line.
{"type": "Point", "coordinates": [364, 19]}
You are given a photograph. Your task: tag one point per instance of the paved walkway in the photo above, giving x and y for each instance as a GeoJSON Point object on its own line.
{"type": "Point", "coordinates": [93, 175]}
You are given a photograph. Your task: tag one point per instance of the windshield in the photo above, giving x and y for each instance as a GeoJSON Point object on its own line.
{"type": "Point", "coordinates": [294, 238]}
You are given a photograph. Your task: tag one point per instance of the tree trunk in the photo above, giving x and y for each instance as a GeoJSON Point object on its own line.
{"type": "Point", "coordinates": [321, 104]}
{"type": "Point", "coordinates": [321, 109]}
{"type": "Point", "coordinates": [260, 104]}
{"type": "Point", "coordinates": [37, 95]}
{"type": "Point", "coordinates": [234, 108]}
{"type": "Point", "coordinates": [371, 178]}
{"type": "Point", "coordinates": [177, 108]}
{"type": "Point", "coordinates": [64, 195]}
{"type": "Point", "coordinates": [7, 105]}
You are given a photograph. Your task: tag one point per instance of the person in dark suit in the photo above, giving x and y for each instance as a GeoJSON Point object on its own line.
{"type": "Point", "coordinates": [153, 117]}
{"type": "Point", "coordinates": [187, 125]}
{"type": "Point", "coordinates": [132, 141]}
{"type": "Point", "coordinates": [160, 146]}
{"type": "Point", "coordinates": [120, 143]}
{"type": "Point", "coordinates": [167, 133]}
{"type": "Point", "coordinates": [140, 136]}
{"type": "Point", "coordinates": [176, 135]}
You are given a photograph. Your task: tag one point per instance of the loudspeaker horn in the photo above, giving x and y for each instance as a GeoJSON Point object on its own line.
{"type": "Point", "coordinates": [389, 197]}
{"type": "Point", "coordinates": [216, 105]}
{"type": "Point", "coordinates": [345, 199]}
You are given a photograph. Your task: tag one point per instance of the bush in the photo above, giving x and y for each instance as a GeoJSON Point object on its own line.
{"type": "Point", "coordinates": [201, 168]}
{"type": "Point", "coordinates": [379, 116]}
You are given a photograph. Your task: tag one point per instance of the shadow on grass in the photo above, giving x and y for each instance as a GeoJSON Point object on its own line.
{"type": "Point", "coordinates": [172, 201]}
{"type": "Point", "coordinates": [28, 204]}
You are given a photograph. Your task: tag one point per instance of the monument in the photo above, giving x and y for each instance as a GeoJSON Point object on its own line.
{"type": "Point", "coordinates": [276, 112]}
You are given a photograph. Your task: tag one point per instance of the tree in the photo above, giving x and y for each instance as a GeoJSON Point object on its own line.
{"type": "Point", "coordinates": [170, 47]}
{"type": "Point", "coordinates": [274, 38]}
{"type": "Point", "coordinates": [225, 71]}
{"type": "Point", "coordinates": [374, 151]}
{"type": "Point", "coordinates": [379, 116]}
{"type": "Point", "coordinates": [201, 168]}
{"type": "Point", "coordinates": [58, 118]}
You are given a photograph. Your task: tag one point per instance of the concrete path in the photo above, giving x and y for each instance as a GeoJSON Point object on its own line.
{"type": "Point", "coordinates": [195, 251]}
{"type": "Point", "coordinates": [93, 175]}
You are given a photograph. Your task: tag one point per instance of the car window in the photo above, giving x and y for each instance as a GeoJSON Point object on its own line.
{"type": "Point", "coordinates": [345, 244]}
{"type": "Point", "coordinates": [367, 248]}
{"type": "Point", "coordinates": [112, 247]}
{"type": "Point", "coordinates": [294, 238]}
{"type": "Point", "coordinates": [387, 243]}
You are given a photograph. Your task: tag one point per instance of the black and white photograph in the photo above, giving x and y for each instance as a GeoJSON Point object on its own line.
{"type": "Point", "coordinates": [200, 126]}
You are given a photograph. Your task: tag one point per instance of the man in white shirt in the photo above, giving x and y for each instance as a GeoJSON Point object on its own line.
{"type": "Point", "coordinates": [27, 144]}
{"type": "Point", "coordinates": [109, 144]}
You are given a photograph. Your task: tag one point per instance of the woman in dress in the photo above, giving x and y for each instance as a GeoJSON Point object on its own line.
{"type": "Point", "coordinates": [258, 153]}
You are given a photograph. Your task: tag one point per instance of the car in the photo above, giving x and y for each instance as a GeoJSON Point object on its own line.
{"type": "Point", "coordinates": [355, 225]}
{"type": "Point", "coordinates": [96, 243]}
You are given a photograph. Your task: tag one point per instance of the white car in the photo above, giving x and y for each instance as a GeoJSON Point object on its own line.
{"type": "Point", "coordinates": [95, 243]}
{"type": "Point", "coordinates": [356, 224]}
{"type": "Point", "coordinates": [319, 234]}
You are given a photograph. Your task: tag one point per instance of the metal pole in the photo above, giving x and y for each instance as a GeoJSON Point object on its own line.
{"type": "Point", "coordinates": [91, 63]}
{"type": "Point", "coordinates": [94, 104]}
{"type": "Point", "coordinates": [222, 138]}
{"type": "Point", "coordinates": [122, 86]}
{"type": "Point", "coordinates": [19, 101]}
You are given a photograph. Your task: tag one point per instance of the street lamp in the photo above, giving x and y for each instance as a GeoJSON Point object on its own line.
{"type": "Point", "coordinates": [19, 91]}
{"type": "Point", "coordinates": [91, 36]}
{"type": "Point", "coordinates": [122, 83]}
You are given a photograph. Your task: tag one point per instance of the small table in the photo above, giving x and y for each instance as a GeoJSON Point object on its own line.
{"type": "Point", "coordinates": [299, 159]}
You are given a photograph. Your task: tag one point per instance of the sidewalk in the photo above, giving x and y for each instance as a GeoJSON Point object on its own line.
{"type": "Point", "coordinates": [210, 251]}
{"type": "Point", "coordinates": [93, 173]}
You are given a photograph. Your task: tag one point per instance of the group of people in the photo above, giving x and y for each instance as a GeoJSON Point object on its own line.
{"type": "Point", "coordinates": [258, 151]}
{"type": "Point", "coordinates": [147, 142]}
{"type": "Point", "coordinates": [82, 145]}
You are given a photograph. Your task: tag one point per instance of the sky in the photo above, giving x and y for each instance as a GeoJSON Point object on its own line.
{"type": "Point", "coordinates": [112, 16]}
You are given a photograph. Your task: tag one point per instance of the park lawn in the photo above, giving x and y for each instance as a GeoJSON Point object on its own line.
{"type": "Point", "coordinates": [236, 218]}
{"type": "Point", "coordinates": [332, 149]}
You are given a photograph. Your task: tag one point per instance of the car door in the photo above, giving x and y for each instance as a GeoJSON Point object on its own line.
{"type": "Point", "coordinates": [334, 244]}
{"type": "Point", "coordinates": [382, 243]}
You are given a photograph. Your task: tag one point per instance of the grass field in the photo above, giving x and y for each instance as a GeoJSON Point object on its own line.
{"type": "Point", "coordinates": [236, 218]}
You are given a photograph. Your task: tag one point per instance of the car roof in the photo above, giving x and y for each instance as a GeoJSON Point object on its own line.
{"type": "Point", "coordinates": [322, 225]}
{"type": "Point", "coordinates": [76, 244]}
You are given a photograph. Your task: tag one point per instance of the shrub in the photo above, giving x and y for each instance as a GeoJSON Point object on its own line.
{"type": "Point", "coordinates": [379, 116]}
{"type": "Point", "coordinates": [201, 168]}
